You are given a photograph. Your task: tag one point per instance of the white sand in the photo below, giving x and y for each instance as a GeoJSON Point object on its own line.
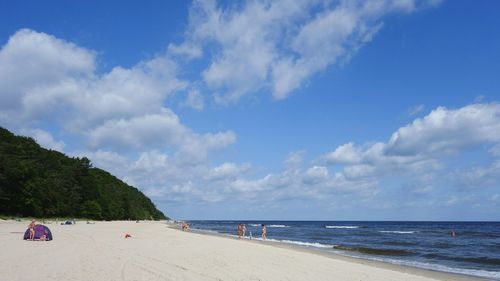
{"type": "Point", "coordinates": [156, 252]}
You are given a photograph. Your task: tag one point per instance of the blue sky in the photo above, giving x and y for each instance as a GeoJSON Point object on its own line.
{"type": "Point", "coordinates": [324, 110]}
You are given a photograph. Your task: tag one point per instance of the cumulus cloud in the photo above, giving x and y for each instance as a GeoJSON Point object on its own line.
{"type": "Point", "coordinates": [345, 154]}
{"type": "Point", "coordinates": [186, 50]}
{"type": "Point", "coordinates": [277, 45]}
{"type": "Point", "coordinates": [121, 109]}
{"type": "Point", "coordinates": [45, 139]}
{"type": "Point", "coordinates": [418, 149]}
{"type": "Point", "coordinates": [32, 60]}
{"type": "Point", "coordinates": [294, 159]}
{"type": "Point", "coordinates": [228, 171]}
{"type": "Point", "coordinates": [446, 131]}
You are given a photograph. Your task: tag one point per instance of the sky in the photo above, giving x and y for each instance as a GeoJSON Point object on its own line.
{"type": "Point", "coordinates": [277, 110]}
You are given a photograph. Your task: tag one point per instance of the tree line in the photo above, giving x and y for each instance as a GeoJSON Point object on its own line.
{"type": "Point", "coordinates": [37, 182]}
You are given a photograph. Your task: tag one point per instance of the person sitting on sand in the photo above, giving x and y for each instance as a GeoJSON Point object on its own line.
{"type": "Point", "coordinates": [264, 232]}
{"type": "Point", "coordinates": [31, 226]}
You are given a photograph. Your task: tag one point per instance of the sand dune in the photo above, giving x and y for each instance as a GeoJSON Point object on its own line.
{"type": "Point", "coordinates": [156, 252]}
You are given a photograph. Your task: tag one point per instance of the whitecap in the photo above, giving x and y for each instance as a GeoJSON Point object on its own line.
{"type": "Point", "coordinates": [397, 232]}
{"type": "Point", "coordinates": [308, 244]}
{"type": "Point", "coordinates": [342, 226]}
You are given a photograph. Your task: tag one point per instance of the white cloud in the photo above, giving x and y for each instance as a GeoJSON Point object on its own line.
{"type": "Point", "coordinates": [139, 132]}
{"type": "Point", "coordinates": [186, 50]}
{"type": "Point", "coordinates": [294, 159]}
{"type": "Point", "coordinates": [194, 100]}
{"type": "Point", "coordinates": [32, 60]}
{"type": "Point", "coordinates": [277, 45]}
{"type": "Point", "coordinates": [416, 151]}
{"type": "Point", "coordinates": [121, 109]}
{"type": "Point", "coordinates": [445, 131]}
{"type": "Point", "coordinates": [362, 168]}
{"type": "Point", "coordinates": [477, 177]}
{"type": "Point", "coordinates": [345, 154]}
{"type": "Point", "coordinates": [315, 175]}
{"type": "Point", "coordinates": [119, 118]}
{"type": "Point", "coordinates": [104, 159]}
{"type": "Point", "coordinates": [45, 139]}
{"type": "Point", "coordinates": [228, 171]}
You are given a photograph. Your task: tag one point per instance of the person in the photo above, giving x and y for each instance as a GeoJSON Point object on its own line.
{"type": "Point", "coordinates": [243, 230]}
{"type": "Point", "coordinates": [185, 226]}
{"type": "Point", "coordinates": [240, 230]}
{"type": "Point", "coordinates": [264, 232]}
{"type": "Point", "coordinates": [31, 226]}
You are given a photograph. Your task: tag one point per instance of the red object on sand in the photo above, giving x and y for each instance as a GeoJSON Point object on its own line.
{"type": "Point", "coordinates": [127, 235]}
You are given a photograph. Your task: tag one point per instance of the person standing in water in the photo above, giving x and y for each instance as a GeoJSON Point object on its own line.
{"type": "Point", "coordinates": [243, 230]}
{"type": "Point", "coordinates": [240, 230]}
{"type": "Point", "coordinates": [264, 232]}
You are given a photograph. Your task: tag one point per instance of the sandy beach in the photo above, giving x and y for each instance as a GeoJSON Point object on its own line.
{"type": "Point", "coordinates": [99, 251]}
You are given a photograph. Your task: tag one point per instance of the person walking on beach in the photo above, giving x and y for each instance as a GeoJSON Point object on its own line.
{"type": "Point", "coordinates": [264, 232]}
{"type": "Point", "coordinates": [243, 230]}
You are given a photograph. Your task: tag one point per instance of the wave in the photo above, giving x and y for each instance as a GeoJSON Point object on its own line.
{"type": "Point", "coordinates": [437, 267]}
{"type": "Point", "coordinates": [308, 244]}
{"type": "Point", "coordinates": [374, 251]}
{"type": "Point", "coordinates": [478, 260]}
{"type": "Point", "coordinates": [342, 226]}
{"type": "Point", "coordinates": [254, 224]}
{"type": "Point", "coordinates": [278, 225]}
{"type": "Point", "coordinates": [399, 243]}
{"type": "Point", "coordinates": [397, 232]}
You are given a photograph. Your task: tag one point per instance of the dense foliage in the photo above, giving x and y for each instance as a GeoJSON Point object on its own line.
{"type": "Point", "coordinates": [37, 182]}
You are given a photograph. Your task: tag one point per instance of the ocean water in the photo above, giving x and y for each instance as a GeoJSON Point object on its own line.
{"type": "Point", "coordinates": [473, 250]}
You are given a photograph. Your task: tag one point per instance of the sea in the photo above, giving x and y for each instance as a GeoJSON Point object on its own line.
{"type": "Point", "coordinates": [469, 248]}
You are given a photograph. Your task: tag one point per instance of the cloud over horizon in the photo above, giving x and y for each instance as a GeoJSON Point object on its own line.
{"type": "Point", "coordinates": [132, 120]}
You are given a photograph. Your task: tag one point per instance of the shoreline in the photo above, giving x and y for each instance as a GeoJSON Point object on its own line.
{"type": "Point", "coordinates": [160, 251]}
{"type": "Point", "coordinates": [424, 272]}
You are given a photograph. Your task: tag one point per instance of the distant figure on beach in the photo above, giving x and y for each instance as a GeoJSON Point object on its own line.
{"type": "Point", "coordinates": [31, 226]}
{"type": "Point", "coordinates": [240, 230]}
{"type": "Point", "coordinates": [185, 226]}
{"type": "Point", "coordinates": [243, 230]}
{"type": "Point", "coordinates": [264, 232]}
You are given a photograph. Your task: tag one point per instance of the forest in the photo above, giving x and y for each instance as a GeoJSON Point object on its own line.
{"type": "Point", "coordinates": [42, 183]}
